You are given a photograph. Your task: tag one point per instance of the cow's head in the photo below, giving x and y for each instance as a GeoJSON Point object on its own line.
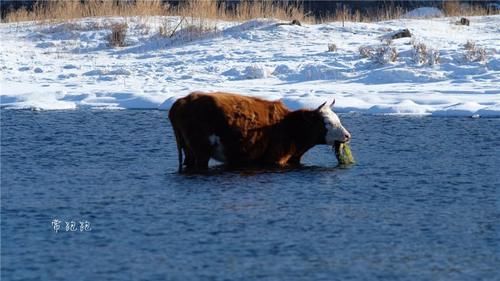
{"type": "Point", "coordinates": [335, 132]}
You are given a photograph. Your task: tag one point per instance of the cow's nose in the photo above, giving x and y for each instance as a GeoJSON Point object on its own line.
{"type": "Point", "coordinates": [347, 136]}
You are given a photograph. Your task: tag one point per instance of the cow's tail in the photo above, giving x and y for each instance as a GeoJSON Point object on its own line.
{"type": "Point", "coordinates": [173, 116]}
{"type": "Point", "coordinates": [180, 145]}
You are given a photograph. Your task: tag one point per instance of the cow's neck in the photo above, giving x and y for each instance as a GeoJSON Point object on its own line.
{"type": "Point", "coordinates": [296, 137]}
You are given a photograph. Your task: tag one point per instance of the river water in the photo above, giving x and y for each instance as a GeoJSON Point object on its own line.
{"type": "Point", "coordinates": [422, 203]}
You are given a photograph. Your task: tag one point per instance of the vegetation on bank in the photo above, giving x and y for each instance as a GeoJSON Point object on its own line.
{"type": "Point", "coordinates": [61, 10]}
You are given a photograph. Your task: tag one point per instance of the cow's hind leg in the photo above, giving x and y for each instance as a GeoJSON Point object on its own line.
{"type": "Point", "coordinates": [186, 148]}
{"type": "Point", "coordinates": [189, 158]}
{"type": "Point", "coordinates": [201, 158]}
{"type": "Point", "coordinates": [180, 146]}
{"type": "Point", "coordinates": [197, 154]}
{"type": "Point", "coordinates": [198, 163]}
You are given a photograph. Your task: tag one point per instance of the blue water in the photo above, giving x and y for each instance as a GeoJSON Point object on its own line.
{"type": "Point", "coordinates": [422, 203]}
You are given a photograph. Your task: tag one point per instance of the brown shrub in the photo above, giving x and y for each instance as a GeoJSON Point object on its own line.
{"type": "Point", "coordinates": [474, 53]}
{"type": "Point", "coordinates": [332, 47]}
{"type": "Point", "coordinates": [366, 51]}
{"type": "Point", "coordinates": [118, 34]}
{"type": "Point", "coordinates": [382, 54]}
{"type": "Point", "coordinates": [425, 55]}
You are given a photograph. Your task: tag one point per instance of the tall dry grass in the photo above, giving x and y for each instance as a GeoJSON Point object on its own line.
{"type": "Point", "coordinates": [453, 8]}
{"type": "Point", "coordinates": [245, 10]}
{"type": "Point", "coordinates": [344, 14]}
{"type": "Point", "coordinates": [66, 10]}
{"type": "Point", "coordinates": [392, 11]}
{"type": "Point", "coordinates": [60, 10]}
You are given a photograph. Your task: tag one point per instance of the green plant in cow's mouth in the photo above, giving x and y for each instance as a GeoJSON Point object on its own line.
{"type": "Point", "coordinates": [343, 153]}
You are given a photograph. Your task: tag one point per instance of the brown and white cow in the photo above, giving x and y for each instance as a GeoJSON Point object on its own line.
{"type": "Point", "coordinates": [246, 131]}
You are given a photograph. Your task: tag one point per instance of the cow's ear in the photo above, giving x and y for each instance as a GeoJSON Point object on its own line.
{"type": "Point", "coordinates": [333, 102]}
{"type": "Point", "coordinates": [321, 106]}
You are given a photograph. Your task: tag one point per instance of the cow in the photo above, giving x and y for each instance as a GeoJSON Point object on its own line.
{"type": "Point", "coordinates": [247, 131]}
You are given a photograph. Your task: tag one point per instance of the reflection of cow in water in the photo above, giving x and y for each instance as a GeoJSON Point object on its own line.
{"type": "Point", "coordinates": [245, 131]}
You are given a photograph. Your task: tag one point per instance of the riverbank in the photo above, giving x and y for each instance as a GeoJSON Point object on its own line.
{"type": "Point", "coordinates": [443, 69]}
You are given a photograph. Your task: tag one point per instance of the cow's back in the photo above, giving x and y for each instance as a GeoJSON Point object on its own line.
{"type": "Point", "coordinates": [248, 113]}
{"type": "Point", "coordinates": [230, 110]}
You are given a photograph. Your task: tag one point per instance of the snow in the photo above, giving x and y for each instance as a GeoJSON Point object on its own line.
{"type": "Point", "coordinates": [459, 109]}
{"type": "Point", "coordinates": [424, 12]}
{"type": "Point", "coordinates": [70, 65]}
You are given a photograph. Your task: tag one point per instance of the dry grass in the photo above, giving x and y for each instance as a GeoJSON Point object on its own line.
{"type": "Point", "coordinates": [344, 14]}
{"type": "Point", "coordinates": [197, 15]}
{"type": "Point", "coordinates": [474, 53]}
{"type": "Point", "coordinates": [450, 8]}
{"type": "Point", "coordinates": [382, 54]}
{"type": "Point", "coordinates": [193, 32]}
{"type": "Point", "coordinates": [332, 47]}
{"type": "Point", "coordinates": [187, 29]}
{"type": "Point", "coordinates": [423, 55]}
{"type": "Point", "coordinates": [386, 54]}
{"type": "Point", "coordinates": [366, 51]}
{"type": "Point", "coordinates": [420, 53]}
{"type": "Point", "coordinates": [165, 29]}
{"type": "Point", "coordinates": [453, 8]}
{"type": "Point", "coordinates": [470, 45]}
{"type": "Point", "coordinates": [285, 10]}
{"type": "Point", "coordinates": [60, 10]}
{"type": "Point", "coordinates": [118, 34]}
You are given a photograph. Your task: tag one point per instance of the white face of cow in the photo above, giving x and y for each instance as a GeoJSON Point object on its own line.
{"type": "Point", "coordinates": [335, 132]}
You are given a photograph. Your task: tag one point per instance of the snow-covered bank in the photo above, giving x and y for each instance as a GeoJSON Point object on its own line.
{"type": "Point", "coordinates": [70, 66]}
